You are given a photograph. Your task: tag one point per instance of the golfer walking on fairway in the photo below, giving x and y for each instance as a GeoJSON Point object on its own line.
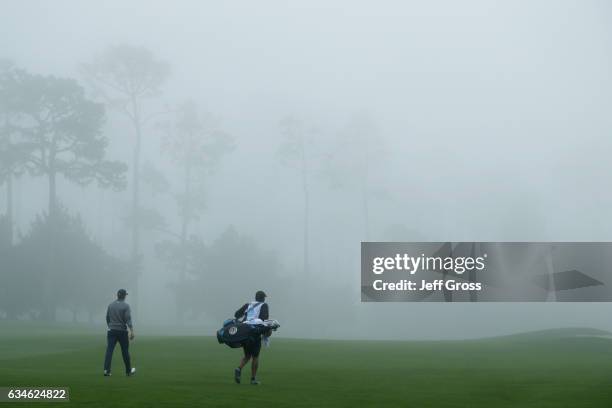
{"type": "Point", "coordinates": [120, 330]}
{"type": "Point", "coordinates": [250, 311]}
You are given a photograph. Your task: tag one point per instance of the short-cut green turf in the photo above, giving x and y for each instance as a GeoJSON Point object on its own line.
{"type": "Point", "coordinates": [547, 369]}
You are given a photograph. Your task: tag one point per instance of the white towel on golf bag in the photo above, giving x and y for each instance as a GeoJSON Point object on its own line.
{"type": "Point", "coordinates": [273, 324]}
{"type": "Point", "coordinates": [254, 322]}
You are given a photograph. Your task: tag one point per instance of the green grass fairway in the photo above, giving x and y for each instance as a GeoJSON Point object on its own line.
{"type": "Point", "coordinates": [547, 369]}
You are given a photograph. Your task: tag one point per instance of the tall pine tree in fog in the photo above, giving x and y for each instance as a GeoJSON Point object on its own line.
{"type": "Point", "coordinates": [52, 130]}
{"type": "Point", "coordinates": [127, 77]}
{"type": "Point", "coordinates": [354, 161]}
{"type": "Point", "coordinates": [196, 145]}
{"type": "Point", "coordinates": [296, 150]}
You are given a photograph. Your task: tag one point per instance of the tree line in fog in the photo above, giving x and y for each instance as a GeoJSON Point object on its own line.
{"type": "Point", "coordinates": [55, 128]}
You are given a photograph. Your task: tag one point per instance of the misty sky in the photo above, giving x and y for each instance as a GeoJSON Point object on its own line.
{"type": "Point", "coordinates": [494, 121]}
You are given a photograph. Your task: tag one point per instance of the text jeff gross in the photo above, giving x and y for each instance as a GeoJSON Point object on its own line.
{"type": "Point", "coordinates": [413, 264]}
{"type": "Point", "coordinates": [425, 285]}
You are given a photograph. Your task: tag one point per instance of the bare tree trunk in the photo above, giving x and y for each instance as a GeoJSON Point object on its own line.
{"type": "Point", "coordinates": [9, 200]}
{"type": "Point", "coordinates": [48, 312]}
{"type": "Point", "coordinates": [135, 250]}
{"type": "Point", "coordinates": [185, 218]}
{"type": "Point", "coordinates": [52, 194]}
{"type": "Point", "coordinates": [9, 209]}
{"type": "Point", "coordinates": [16, 204]}
{"type": "Point", "coordinates": [366, 209]}
{"type": "Point", "coordinates": [306, 232]}
{"type": "Point", "coordinates": [306, 226]}
{"type": "Point", "coordinates": [365, 193]}
{"type": "Point", "coordinates": [136, 203]}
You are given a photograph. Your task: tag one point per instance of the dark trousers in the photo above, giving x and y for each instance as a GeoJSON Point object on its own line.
{"type": "Point", "coordinates": [112, 337]}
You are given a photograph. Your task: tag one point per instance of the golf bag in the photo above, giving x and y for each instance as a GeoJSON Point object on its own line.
{"type": "Point", "coordinates": [235, 334]}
